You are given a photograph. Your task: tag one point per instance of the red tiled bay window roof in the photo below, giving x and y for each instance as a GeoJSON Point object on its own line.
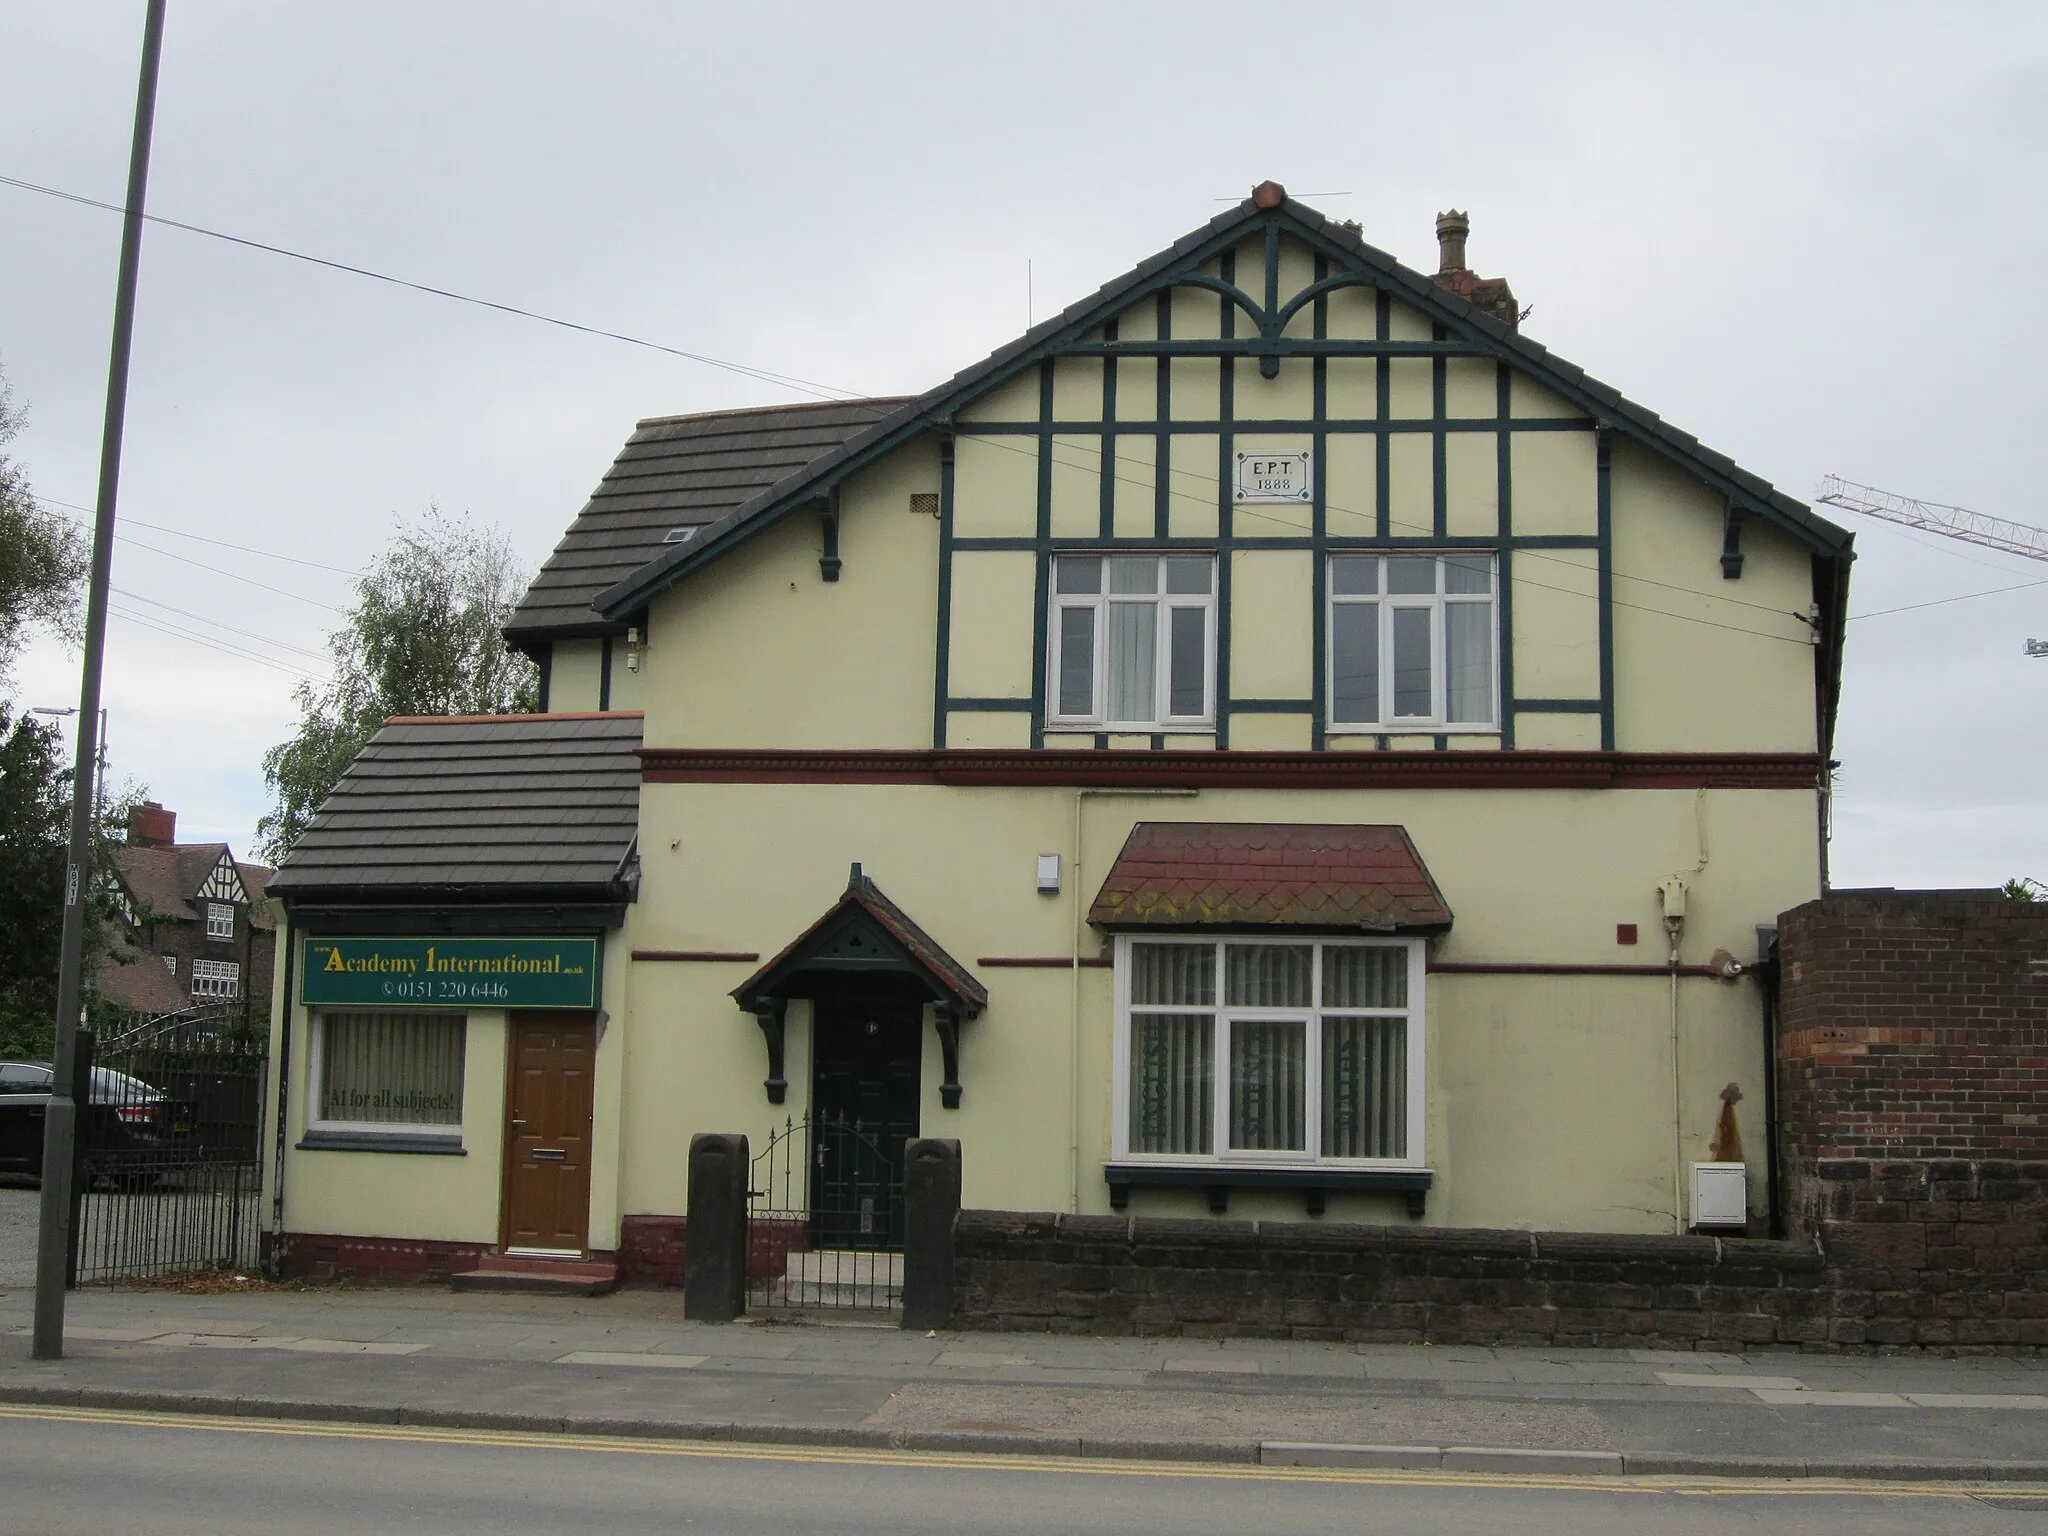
{"type": "Point", "coordinates": [1178, 874]}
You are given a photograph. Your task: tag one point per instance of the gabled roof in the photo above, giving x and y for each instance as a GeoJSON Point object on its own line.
{"type": "Point", "coordinates": [1461, 319]}
{"type": "Point", "coordinates": [675, 472]}
{"type": "Point", "coordinates": [865, 933]}
{"type": "Point", "coordinates": [1190, 874]}
{"type": "Point", "coordinates": [478, 808]}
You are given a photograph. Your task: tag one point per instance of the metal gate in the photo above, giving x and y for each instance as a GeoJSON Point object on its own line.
{"type": "Point", "coordinates": [825, 1219]}
{"type": "Point", "coordinates": [169, 1174]}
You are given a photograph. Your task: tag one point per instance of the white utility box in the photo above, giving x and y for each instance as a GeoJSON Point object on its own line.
{"type": "Point", "coordinates": [1720, 1195]}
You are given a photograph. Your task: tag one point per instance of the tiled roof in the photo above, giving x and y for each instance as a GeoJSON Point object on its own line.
{"type": "Point", "coordinates": [134, 978]}
{"type": "Point", "coordinates": [156, 877]}
{"type": "Point", "coordinates": [941, 970]}
{"type": "Point", "coordinates": [675, 472]}
{"type": "Point", "coordinates": [1178, 874]}
{"type": "Point", "coordinates": [497, 806]}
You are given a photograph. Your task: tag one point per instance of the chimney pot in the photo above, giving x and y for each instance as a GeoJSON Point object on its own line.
{"type": "Point", "coordinates": [1451, 230]}
{"type": "Point", "coordinates": [151, 826]}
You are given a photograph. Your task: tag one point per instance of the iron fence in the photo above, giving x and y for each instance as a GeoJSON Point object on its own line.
{"type": "Point", "coordinates": [825, 1219]}
{"type": "Point", "coordinates": [169, 1174]}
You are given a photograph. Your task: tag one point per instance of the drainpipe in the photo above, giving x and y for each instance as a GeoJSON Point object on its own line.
{"type": "Point", "coordinates": [284, 1063]}
{"type": "Point", "coordinates": [1767, 990]}
{"type": "Point", "coordinates": [1074, 979]}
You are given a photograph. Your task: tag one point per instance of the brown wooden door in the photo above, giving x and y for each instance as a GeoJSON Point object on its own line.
{"type": "Point", "coordinates": [547, 1139]}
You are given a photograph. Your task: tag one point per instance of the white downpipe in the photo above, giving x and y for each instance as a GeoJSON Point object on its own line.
{"type": "Point", "coordinates": [1673, 897]}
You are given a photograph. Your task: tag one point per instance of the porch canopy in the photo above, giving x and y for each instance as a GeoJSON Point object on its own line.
{"type": "Point", "coordinates": [864, 934]}
{"type": "Point", "coordinates": [1329, 877]}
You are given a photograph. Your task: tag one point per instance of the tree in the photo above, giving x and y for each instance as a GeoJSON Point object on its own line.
{"type": "Point", "coordinates": [43, 559]}
{"type": "Point", "coordinates": [424, 638]}
{"type": "Point", "coordinates": [2023, 888]}
{"type": "Point", "coordinates": [35, 847]}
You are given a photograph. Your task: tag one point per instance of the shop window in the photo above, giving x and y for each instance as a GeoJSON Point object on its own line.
{"type": "Point", "coordinates": [1253, 1052]}
{"type": "Point", "coordinates": [389, 1070]}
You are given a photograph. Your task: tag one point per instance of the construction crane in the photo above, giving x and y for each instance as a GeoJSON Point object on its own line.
{"type": "Point", "coordinates": [1934, 517]}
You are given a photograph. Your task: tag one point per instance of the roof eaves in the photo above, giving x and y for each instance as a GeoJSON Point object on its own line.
{"type": "Point", "coordinates": [934, 407]}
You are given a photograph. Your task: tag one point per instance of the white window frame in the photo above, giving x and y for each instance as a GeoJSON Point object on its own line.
{"type": "Point", "coordinates": [1311, 1157]}
{"type": "Point", "coordinates": [220, 920]}
{"type": "Point", "coordinates": [216, 978]}
{"type": "Point", "coordinates": [1098, 719]}
{"type": "Point", "coordinates": [1438, 720]}
{"type": "Point", "coordinates": [316, 1077]}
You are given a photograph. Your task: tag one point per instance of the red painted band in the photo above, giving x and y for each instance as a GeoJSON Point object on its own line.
{"type": "Point", "coordinates": [1004, 767]}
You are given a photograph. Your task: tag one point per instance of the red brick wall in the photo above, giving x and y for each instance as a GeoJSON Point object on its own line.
{"type": "Point", "coordinates": [1913, 1076]}
{"type": "Point", "coordinates": [1914, 1028]}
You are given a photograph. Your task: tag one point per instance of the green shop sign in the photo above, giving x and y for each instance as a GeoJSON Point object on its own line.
{"type": "Point", "coordinates": [451, 973]}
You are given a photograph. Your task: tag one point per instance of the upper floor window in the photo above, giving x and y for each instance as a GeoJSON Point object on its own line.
{"type": "Point", "coordinates": [1412, 642]}
{"type": "Point", "coordinates": [216, 978]}
{"type": "Point", "coordinates": [1132, 641]}
{"type": "Point", "coordinates": [220, 920]}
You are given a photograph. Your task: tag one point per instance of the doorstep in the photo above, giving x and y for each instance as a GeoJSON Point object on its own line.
{"type": "Point", "coordinates": [535, 1275]}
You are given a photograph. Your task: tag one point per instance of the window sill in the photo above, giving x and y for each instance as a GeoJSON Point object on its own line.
{"type": "Point", "coordinates": [382, 1141]}
{"type": "Point", "coordinates": [1314, 1183]}
{"type": "Point", "coordinates": [1411, 730]}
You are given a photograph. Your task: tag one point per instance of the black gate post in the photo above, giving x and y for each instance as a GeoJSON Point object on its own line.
{"type": "Point", "coordinates": [931, 1202]}
{"type": "Point", "coordinates": [715, 1229]}
{"type": "Point", "coordinates": [81, 1077]}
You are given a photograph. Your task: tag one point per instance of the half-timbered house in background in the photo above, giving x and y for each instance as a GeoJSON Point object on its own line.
{"type": "Point", "coordinates": [1272, 738]}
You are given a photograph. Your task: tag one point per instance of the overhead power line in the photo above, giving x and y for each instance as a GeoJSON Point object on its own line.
{"type": "Point", "coordinates": [787, 381]}
{"type": "Point", "coordinates": [247, 549]}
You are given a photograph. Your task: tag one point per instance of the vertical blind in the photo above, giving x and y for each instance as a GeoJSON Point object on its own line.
{"type": "Point", "coordinates": [1312, 1041]}
{"type": "Point", "coordinates": [391, 1068]}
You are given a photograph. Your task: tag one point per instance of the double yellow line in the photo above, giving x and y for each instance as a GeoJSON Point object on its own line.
{"type": "Point", "coordinates": [615, 1445]}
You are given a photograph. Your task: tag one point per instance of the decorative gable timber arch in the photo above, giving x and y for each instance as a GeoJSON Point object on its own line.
{"type": "Point", "coordinates": [864, 934]}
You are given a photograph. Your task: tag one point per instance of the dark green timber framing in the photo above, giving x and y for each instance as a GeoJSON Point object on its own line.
{"type": "Point", "coordinates": [1226, 481]}
{"type": "Point", "coordinates": [1503, 568]}
{"type": "Point", "coordinates": [1469, 332]}
{"type": "Point", "coordinates": [1603, 481]}
{"type": "Point", "coordinates": [943, 651]}
{"type": "Point", "coordinates": [1319, 522]}
{"type": "Point", "coordinates": [1041, 654]}
{"type": "Point", "coordinates": [1256, 327]}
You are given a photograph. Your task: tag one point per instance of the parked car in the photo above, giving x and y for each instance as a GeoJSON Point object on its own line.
{"type": "Point", "coordinates": [124, 1115]}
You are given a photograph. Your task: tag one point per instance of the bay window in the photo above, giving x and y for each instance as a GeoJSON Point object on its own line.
{"type": "Point", "coordinates": [1132, 641]}
{"type": "Point", "coordinates": [1413, 643]}
{"type": "Point", "coordinates": [1256, 1051]}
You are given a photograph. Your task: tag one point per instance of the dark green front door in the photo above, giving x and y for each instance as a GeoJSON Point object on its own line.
{"type": "Point", "coordinates": [866, 1046]}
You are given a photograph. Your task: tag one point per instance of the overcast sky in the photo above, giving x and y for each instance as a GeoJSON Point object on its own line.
{"type": "Point", "coordinates": [1813, 236]}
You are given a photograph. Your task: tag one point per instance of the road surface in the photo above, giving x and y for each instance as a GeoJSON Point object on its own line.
{"type": "Point", "coordinates": [85, 1471]}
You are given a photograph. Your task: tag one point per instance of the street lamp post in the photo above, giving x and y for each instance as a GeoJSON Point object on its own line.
{"type": "Point", "coordinates": [60, 1119]}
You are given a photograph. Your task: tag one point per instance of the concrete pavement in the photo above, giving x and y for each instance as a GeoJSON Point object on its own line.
{"type": "Point", "coordinates": [629, 1363]}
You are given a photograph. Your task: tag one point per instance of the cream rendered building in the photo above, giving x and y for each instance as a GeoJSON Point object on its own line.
{"type": "Point", "coordinates": [1300, 747]}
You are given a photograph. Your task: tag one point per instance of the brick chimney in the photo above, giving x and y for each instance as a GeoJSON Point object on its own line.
{"type": "Point", "coordinates": [1491, 294]}
{"type": "Point", "coordinates": [151, 826]}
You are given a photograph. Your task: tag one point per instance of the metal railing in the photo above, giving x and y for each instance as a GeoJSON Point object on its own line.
{"type": "Point", "coordinates": [169, 1176]}
{"type": "Point", "coordinates": [825, 1219]}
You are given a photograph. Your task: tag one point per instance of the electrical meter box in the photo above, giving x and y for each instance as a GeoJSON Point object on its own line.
{"type": "Point", "coordinates": [1720, 1195]}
